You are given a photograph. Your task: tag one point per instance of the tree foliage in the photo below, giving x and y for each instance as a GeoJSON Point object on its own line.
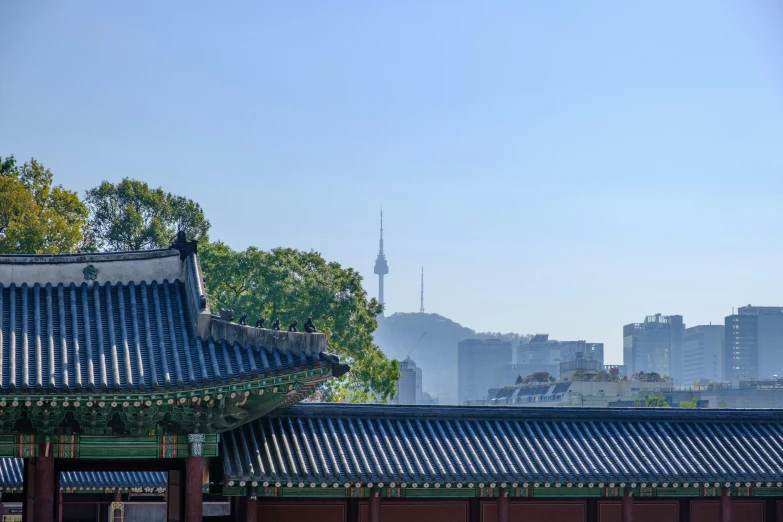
{"type": "Point", "coordinates": [132, 216]}
{"type": "Point", "coordinates": [647, 377]}
{"type": "Point", "coordinates": [591, 375]}
{"type": "Point", "coordinates": [536, 377]}
{"type": "Point", "coordinates": [652, 401]}
{"type": "Point", "coordinates": [689, 404]}
{"type": "Point", "coordinates": [519, 380]}
{"type": "Point", "coordinates": [36, 217]}
{"type": "Point", "coordinates": [291, 285]}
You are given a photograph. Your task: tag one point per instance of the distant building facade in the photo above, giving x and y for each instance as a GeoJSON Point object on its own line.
{"type": "Point", "coordinates": [409, 387]}
{"type": "Point", "coordinates": [655, 346]}
{"type": "Point", "coordinates": [406, 386]}
{"type": "Point", "coordinates": [478, 365]}
{"type": "Point", "coordinates": [753, 343]}
{"type": "Point", "coordinates": [542, 354]}
{"type": "Point", "coordinates": [702, 354]}
{"type": "Point", "coordinates": [594, 394]}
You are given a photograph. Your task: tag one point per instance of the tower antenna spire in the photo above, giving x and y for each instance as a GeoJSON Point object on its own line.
{"type": "Point", "coordinates": [421, 310]}
{"type": "Point", "coordinates": [381, 267]}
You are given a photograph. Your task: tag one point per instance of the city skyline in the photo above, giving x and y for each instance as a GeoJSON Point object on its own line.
{"type": "Point", "coordinates": [565, 171]}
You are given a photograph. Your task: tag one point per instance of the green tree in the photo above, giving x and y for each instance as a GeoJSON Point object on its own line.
{"type": "Point", "coordinates": [291, 285]}
{"type": "Point", "coordinates": [36, 217]}
{"type": "Point", "coordinates": [539, 377]}
{"type": "Point", "coordinates": [519, 380]}
{"type": "Point", "coordinates": [132, 216]}
{"type": "Point", "coordinates": [652, 401]}
{"type": "Point", "coordinates": [689, 404]}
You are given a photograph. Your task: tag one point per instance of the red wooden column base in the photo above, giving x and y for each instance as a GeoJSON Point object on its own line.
{"type": "Point", "coordinates": [503, 507]}
{"type": "Point", "coordinates": [44, 484]}
{"type": "Point", "coordinates": [194, 483]}
{"type": "Point", "coordinates": [628, 515]}
{"type": "Point", "coordinates": [375, 505]}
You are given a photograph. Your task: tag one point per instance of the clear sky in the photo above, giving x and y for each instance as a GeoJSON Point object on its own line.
{"type": "Point", "coordinates": [563, 167]}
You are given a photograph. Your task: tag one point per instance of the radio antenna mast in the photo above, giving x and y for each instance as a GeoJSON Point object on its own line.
{"type": "Point", "coordinates": [421, 310]}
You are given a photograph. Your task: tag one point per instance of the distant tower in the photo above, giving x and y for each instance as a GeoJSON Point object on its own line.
{"type": "Point", "coordinates": [421, 310]}
{"type": "Point", "coordinates": [381, 268]}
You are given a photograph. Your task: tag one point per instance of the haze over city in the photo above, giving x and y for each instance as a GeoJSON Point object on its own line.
{"type": "Point", "coordinates": [559, 171]}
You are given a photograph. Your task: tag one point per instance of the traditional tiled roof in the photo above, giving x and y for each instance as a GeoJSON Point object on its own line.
{"type": "Point", "coordinates": [118, 336]}
{"type": "Point", "coordinates": [323, 445]}
{"type": "Point", "coordinates": [12, 477]}
{"type": "Point", "coordinates": [62, 333]}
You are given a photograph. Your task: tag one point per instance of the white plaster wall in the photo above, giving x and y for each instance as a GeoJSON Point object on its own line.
{"type": "Point", "coordinates": [112, 268]}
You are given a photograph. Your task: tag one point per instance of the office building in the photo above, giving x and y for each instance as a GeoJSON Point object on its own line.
{"type": "Point", "coordinates": [406, 386]}
{"type": "Point", "coordinates": [478, 365]}
{"type": "Point", "coordinates": [542, 354]}
{"type": "Point", "coordinates": [702, 354]}
{"type": "Point", "coordinates": [753, 344]}
{"type": "Point", "coordinates": [655, 346]}
{"type": "Point", "coordinates": [572, 350]}
{"type": "Point", "coordinates": [410, 386]}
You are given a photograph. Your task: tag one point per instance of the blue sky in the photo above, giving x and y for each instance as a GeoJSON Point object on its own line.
{"type": "Point", "coordinates": [560, 167]}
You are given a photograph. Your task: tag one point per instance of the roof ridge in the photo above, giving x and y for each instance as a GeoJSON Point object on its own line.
{"type": "Point", "coordinates": [79, 257]}
{"type": "Point", "coordinates": [530, 413]}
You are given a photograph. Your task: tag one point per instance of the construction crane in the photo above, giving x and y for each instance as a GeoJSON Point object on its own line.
{"type": "Point", "coordinates": [415, 345]}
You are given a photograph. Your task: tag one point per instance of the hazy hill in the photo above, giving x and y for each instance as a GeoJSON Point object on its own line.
{"type": "Point", "coordinates": [436, 353]}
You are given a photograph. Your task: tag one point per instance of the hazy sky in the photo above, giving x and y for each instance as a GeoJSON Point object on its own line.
{"type": "Point", "coordinates": [562, 167]}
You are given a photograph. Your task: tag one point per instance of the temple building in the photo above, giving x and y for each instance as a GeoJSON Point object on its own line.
{"type": "Point", "coordinates": [119, 386]}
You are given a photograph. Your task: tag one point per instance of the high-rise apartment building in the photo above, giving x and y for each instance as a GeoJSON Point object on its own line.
{"type": "Point", "coordinates": [702, 354]}
{"type": "Point", "coordinates": [753, 343]}
{"type": "Point", "coordinates": [478, 362]}
{"type": "Point", "coordinates": [655, 346]}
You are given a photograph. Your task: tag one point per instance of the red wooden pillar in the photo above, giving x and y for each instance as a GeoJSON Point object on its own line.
{"type": "Point", "coordinates": [194, 478]}
{"type": "Point", "coordinates": [725, 506]}
{"type": "Point", "coordinates": [503, 507]}
{"type": "Point", "coordinates": [174, 497]}
{"type": "Point", "coordinates": [28, 488]}
{"type": "Point", "coordinates": [375, 505]}
{"type": "Point", "coordinates": [628, 515]}
{"type": "Point", "coordinates": [44, 484]}
{"type": "Point", "coordinates": [251, 510]}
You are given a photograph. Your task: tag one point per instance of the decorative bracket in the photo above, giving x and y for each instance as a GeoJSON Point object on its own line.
{"type": "Point", "coordinates": [196, 441]}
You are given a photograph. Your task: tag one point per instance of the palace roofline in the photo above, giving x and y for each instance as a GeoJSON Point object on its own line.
{"type": "Point", "coordinates": [84, 257]}
{"type": "Point", "coordinates": [522, 414]}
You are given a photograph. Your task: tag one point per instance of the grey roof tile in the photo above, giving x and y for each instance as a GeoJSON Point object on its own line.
{"type": "Point", "coordinates": [12, 476]}
{"type": "Point", "coordinates": [118, 336]}
{"type": "Point", "coordinates": [349, 443]}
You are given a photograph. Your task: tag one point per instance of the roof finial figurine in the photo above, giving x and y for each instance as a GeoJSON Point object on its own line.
{"type": "Point", "coordinates": [276, 324]}
{"type": "Point", "coordinates": [292, 326]}
{"type": "Point", "coordinates": [310, 326]}
{"type": "Point", "coordinates": [260, 322]}
{"type": "Point", "coordinates": [243, 320]}
{"type": "Point", "coordinates": [184, 246]}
